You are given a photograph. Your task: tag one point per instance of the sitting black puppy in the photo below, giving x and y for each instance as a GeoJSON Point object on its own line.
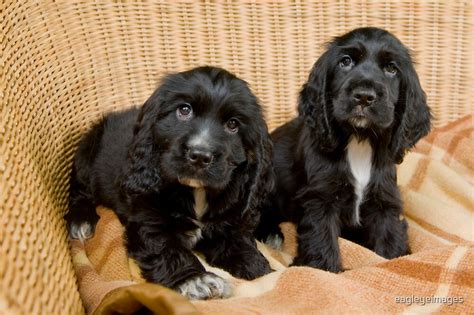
{"type": "Point", "coordinates": [360, 111]}
{"type": "Point", "coordinates": [188, 170]}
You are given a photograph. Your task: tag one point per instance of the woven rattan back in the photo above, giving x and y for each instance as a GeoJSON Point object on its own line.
{"type": "Point", "coordinates": [64, 63]}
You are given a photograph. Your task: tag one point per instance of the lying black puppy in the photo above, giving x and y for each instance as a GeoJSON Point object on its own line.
{"type": "Point", "coordinates": [188, 170]}
{"type": "Point", "coordinates": [360, 111]}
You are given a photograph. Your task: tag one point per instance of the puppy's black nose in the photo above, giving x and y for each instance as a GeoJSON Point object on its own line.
{"type": "Point", "coordinates": [364, 97]}
{"type": "Point", "coordinates": [199, 157]}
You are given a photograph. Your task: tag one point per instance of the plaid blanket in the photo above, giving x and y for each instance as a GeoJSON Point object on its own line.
{"type": "Point", "coordinates": [436, 184]}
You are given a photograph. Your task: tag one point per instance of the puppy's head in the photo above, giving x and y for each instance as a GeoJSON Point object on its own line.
{"type": "Point", "coordinates": [205, 128]}
{"type": "Point", "coordinates": [201, 128]}
{"type": "Point", "coordinates": [365, 83]}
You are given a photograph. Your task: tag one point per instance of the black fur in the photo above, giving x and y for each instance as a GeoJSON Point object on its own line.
{"type": "Point", "coordinates": [373, 95]}
{"type": "Point", "coordinates": [137, 162]}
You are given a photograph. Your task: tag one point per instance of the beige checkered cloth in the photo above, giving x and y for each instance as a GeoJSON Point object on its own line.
{"type": "Point", "coordinates": [436, 183]}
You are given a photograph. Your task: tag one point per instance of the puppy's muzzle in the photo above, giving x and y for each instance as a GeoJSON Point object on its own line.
{"type": "Point", "coordinates": [363, 91]}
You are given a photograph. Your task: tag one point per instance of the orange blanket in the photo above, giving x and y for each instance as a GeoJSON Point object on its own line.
{"type": "Point", "coordinates": [436, 183]}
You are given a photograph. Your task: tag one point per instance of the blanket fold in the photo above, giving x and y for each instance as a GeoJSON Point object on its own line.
{"type": "Point", "coordinates": [436, 184]}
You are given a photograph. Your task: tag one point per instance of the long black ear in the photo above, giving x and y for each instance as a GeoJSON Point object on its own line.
{"type": "Point", "coordinates": [412, 114]}
{"type": "Point", "coordinates": [259, 172]}
{"type": "Point", "coordinates": [315, 104]}
{"type": "Point", "coordinates": [142, 175]}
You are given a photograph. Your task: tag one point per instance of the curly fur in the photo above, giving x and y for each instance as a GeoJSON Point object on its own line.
{"type": "Point", "coordinates": [137, 163]}
{"type": "Point", "coordinates": [315, 186]}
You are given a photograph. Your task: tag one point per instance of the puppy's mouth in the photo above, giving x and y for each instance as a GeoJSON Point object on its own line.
{"type": "Point", "coordinates": [216, 176]}
{"type": "Point", "coordinates": [359, 122]}
{"type": "Point", "coordinates": [196, 178]}
{"type": "Point", "coordinates": [195, 183]}
{"type": "Point", "coordinates": [359, 117]}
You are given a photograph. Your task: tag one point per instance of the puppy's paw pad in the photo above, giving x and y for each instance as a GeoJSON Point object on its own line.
{"type": "Point", "coordinates": [205, 286]}
{"type": "Point", "coordinates": [274, 241]}
{"type": "Point", "coordinates": [81, 231]}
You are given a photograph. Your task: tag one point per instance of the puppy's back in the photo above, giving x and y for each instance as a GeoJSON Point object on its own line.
{"type": "Point", "coordinates": [102, 154]}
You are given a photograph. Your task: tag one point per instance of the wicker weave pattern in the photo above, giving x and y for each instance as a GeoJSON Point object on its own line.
{"type": "Point", "coordinates": [64, 63]}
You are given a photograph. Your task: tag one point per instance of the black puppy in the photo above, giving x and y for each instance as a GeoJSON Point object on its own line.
{"type": "Point", "coordinates": [360, 111]}
{"type": "Point", "coordinates": [188, 170]}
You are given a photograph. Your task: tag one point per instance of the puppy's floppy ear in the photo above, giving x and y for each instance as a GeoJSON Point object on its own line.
{"type": "Point", "coordinates": [315, 105]}
{"type": "Point", "coordinates": [260, 171]}
{"type": "Point", "coordinates": [142, 175]}
{"type": "Point", "coordinates": [412, 114]}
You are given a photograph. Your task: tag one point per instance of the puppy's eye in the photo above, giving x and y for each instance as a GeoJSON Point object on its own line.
{"type": "Point", "coordinates": [346, 61]}
{"type": "Point", "coordinates": [391, 68]}
{"type": "Point", "coordinates": [184, 111]}
{"type": "Point", "coordinates": [232, 125]}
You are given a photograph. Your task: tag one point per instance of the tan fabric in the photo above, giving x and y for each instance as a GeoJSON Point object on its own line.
{"type": "Point", "coordinates": [436, 183]}
{"type": "Point", "coordinates": [147, 296]}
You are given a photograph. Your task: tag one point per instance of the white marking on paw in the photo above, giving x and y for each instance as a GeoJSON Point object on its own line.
{"type": "Point", "coordinates": [81, 231]}
{"type": "Point", "coordinates": [359, 157]}
{"type": "Point", "coordinates": [206, 286]}
{"type": "Point", "coordinates": [274, 241]}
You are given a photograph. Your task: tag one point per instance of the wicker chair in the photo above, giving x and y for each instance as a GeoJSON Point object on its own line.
{"type": "Point", "coordinates": [65, 63]}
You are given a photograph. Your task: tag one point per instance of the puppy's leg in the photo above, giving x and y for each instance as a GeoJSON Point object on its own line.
{"type": "Point", "coordinates": [164, 259]}
{"type": "Point", "coordinates": [385, 229]}
{"type": "Point", "coordinates": [82, 217]}
{"type": "Point", "coordinates": [318, 231]}
{"type": "Point", "coordinates": [268, 229]}
{"type": "Point", "coordinates": [235, 252]}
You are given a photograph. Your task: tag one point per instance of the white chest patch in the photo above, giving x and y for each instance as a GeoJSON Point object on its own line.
{"type": "Point", "coordinates": [359, 156]}
{"type": "Point", "coordinates": [200, 208]}
{"type": "Point", "coordinates": [200, 202]}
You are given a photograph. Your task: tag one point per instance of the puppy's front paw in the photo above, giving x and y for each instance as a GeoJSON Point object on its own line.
{"type": "Point", "coordinates": [81, 230]}
{"type": "Point", "coordinates": [254, 267]}
{"type": "Point", "coordinates": [333, 266]}
{"type": "Point", "coordinates": [205, 286]}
